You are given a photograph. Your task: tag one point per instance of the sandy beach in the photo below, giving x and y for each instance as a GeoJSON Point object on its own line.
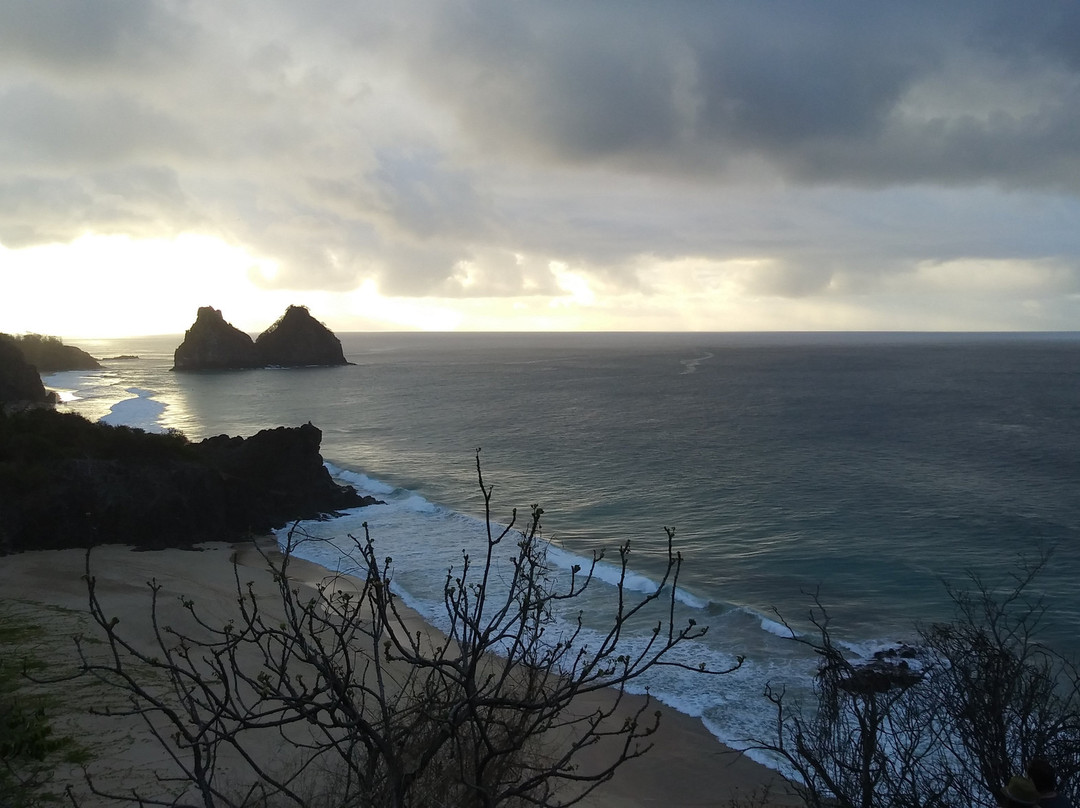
{"type": "Point", "coordinates": [686, 767]}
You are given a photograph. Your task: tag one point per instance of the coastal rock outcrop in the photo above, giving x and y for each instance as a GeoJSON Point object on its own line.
{"type": "Point", "coordinates": [50, 354]}
{"type": "Point", "coordinates": [896, 667]}
{"type": "Point", "coordinates": [20, 384]}
{"type": "Point", "coordinates": [67, 482]}
{"type": "Point", "coordinates": [277, 473]}
{"type": "Point", "coordinates": [213, 344]}
{"type": "Point", "coordinates": [298, 339]}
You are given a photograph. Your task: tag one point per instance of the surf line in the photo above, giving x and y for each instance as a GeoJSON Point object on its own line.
{"type": "Point", "coordinates": [142, 412]}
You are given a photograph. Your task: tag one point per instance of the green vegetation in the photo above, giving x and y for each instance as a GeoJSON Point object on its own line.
{"type": "Point", "coordinates": [41, 435]}
{"type": "Point", "coordinates": [30, 748]}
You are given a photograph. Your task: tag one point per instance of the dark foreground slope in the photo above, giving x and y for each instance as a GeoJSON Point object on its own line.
{"type": "Point", "coordinates": [67, 482]}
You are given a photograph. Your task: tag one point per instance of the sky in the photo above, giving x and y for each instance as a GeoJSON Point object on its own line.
{"type": "Point", "coordinates": [506, 165]}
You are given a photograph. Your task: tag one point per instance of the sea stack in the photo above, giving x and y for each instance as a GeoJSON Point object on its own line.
{"type": "Point", "coordinates": [213, 344]}
{"type": "Point", "coordinates": [298, 340]}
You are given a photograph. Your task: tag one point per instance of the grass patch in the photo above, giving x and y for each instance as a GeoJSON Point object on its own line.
{"type": "Point", "coordinates": [30, 747]}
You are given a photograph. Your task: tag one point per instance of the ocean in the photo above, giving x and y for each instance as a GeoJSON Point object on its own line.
{"type": "Point", "coordinates": [864, 470]}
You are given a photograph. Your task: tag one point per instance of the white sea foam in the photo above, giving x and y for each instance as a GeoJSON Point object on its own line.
{"type": "Point", "coordinates": [369, 485]}
{"type": "Point", "coordinates": [425, 540]}
{"type": "Point", "coordinates": [100, 395]}
{"type": "Point", "coordinates": [142, 412]}
{"type": "Point", "coordinates": [779, 629]}
{"type": "Point", "coordinates": [611, 574]}
{"type": "Point", "coordinates": [418, 504]}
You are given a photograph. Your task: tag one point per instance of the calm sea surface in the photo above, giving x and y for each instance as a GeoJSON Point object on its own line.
{"type": "Point", "coordinates": [867, 468]}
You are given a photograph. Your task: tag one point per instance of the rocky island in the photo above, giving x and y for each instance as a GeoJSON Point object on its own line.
{"type": "Point", "coordinates": [296, 340]}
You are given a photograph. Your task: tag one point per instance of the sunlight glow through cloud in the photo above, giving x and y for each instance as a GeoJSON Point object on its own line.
{"type": "Point", "coordinates": [118, 286]}
{"type": "Point", "coordinates": [486, 166]}
{"type": "Point", "coordinates": [574, 284]}
{"type": "Point", "coordinates": [121, 285]}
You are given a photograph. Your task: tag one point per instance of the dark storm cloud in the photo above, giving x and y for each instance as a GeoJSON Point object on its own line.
{"type": "Point", "coordinates": [1019, 33]}
{"type": "Point", "coordinates": [464, 147]}
{"type": "Point", "coordinates": [427, 199]}
{"type": "Point", "coordinates": [817, 91]}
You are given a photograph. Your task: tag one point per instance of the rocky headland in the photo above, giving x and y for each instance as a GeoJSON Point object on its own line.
{"type": "Point", "coordinates": [23, 358]}
{"type": "Point", "coordinates": [67, 482]}
{"type": "Point", "coordinates": [50, 354]}
{"type": "Point", "coordinates": [20, 384]}
{"type": "Point", "coordinates": [296, 340]}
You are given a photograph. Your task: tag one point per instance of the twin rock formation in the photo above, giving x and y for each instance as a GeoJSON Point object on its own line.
{"type": "Point", "coordinates": [295, 340]}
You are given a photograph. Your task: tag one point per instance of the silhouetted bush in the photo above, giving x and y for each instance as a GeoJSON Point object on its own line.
{"type": "Point", "coordinates": [389, 717]}
{"type": "Point", "coordinates": [981, 698]}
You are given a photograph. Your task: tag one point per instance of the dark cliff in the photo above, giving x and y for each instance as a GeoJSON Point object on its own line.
{"type": "Point", "coordinates": [67, 482]}
{"type": "Point", "coordinates": [20, 384]}
{"type": "Point", "coordinates": [298, 339]}
{"type": "Point", "coordinates": [213, 344]}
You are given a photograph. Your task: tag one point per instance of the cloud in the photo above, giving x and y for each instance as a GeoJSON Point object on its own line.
{"type": "Point", "coordinates": [819, 93]}
{"type": "Point", "coordinates": [464, 148]}
{"type": "Point", "coordinates": [54, 133]}
{"type": "Point", "coordinates": [106, 37]}
{"type": "Point", "coordinates": [140, 201]}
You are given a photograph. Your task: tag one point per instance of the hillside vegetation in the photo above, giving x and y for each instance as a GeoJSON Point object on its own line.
{"type": "Point", "coordinates": [50, 354]}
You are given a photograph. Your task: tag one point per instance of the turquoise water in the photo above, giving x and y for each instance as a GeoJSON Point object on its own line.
{"type": "Point", "coordinates": [866, 468]}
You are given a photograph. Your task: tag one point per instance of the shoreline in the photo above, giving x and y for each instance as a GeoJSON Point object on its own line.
{"type": "Point", "coordinates": [687, 765]}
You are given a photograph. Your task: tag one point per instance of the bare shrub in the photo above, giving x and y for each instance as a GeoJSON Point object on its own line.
{"type": "Point", "coordinates": [984, 698]}
{"type": "Point", "coordinates": [375, 713]}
